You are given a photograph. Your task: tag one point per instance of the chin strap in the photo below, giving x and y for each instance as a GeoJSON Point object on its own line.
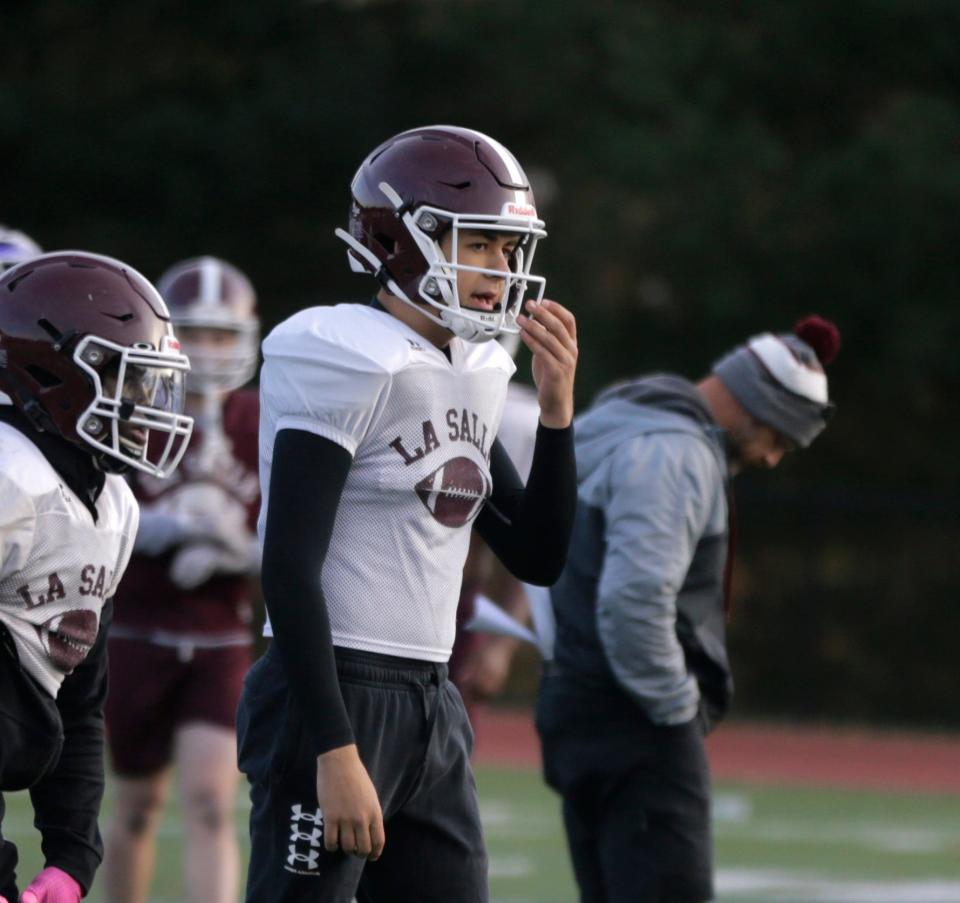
{"type": "Point", "coordinates": [380, 272]}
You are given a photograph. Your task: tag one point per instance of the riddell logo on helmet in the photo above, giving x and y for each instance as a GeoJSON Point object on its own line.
{"type": "Point", "coordinates": [519, 210]}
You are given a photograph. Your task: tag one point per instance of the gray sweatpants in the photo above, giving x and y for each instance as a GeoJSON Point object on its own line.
{"type": "Point", "coordinates": [415, 741]}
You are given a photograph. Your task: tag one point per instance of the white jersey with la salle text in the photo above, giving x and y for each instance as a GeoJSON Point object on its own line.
{"type": "Point", "coordinates": [420, 428]}
{"type": "Point", "coordinates": [57, 565]}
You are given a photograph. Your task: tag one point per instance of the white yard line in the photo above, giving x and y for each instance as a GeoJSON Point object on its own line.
{"type": "Point", "coordinates": [511, 867]}
{"type": "Point", "coordinates": [804, 887]}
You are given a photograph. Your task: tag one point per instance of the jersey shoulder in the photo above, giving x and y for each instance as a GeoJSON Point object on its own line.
{"type": "Point", "coordinates": [23, 468]}
{"type": "Point", "coordinates": [346, 336]}
{"type": "Point", "coordinates": [123, 501]}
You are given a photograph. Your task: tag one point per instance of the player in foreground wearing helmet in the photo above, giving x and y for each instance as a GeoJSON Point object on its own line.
{"type": "Point", "coordinates": [640, 670]}
{"type": "Point", "coordinates": [180, 643]}
{"type": "Point", "coordinates": [90, 362]}
{"type": "Point", "coordinates": [378, 453]}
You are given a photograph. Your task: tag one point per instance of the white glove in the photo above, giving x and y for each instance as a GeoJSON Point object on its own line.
{"type": "Point", "coordinates": [161, 530]}
{"type": "Point", "coordinates": [196, 563]}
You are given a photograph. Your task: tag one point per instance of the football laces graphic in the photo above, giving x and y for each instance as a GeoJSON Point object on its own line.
{"type": "Point", "coordinates": [67, 638]}
{"type": "Point", "coordinates": [454, 492]}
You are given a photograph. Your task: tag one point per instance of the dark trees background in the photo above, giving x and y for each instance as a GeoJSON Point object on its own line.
{"type": "Point", "coordinates": [707, 171]}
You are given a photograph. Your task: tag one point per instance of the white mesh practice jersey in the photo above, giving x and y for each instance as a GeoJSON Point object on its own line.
{"type": "Point", "coordinates": [57, 566]}
{"type": "Point", "coordinates": [518, 426]}
{"type": "Point", "coordinates": [420, 428]}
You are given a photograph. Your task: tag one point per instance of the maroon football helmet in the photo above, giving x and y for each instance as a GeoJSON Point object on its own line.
{"type": "Point", "coordinates": [209, 293]}
{"type": "Point", "coordinates": [87, 353]}
{"type": "Point", "coordinates": [416, 187]}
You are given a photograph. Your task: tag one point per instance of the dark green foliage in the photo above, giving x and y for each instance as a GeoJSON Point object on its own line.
{"type": "Point", "coordinates": [846, 609]}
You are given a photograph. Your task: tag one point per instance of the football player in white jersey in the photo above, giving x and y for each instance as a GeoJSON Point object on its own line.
{"type": "Point", "coordinates": [93, 370]}
{"type": "Point", "coordinates": [180, 644]}
{"type": "Point", "coordinates": [378, 453]}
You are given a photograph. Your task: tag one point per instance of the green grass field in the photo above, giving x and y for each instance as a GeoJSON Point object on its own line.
{"type": "Point", "coordinates": [773, 844]}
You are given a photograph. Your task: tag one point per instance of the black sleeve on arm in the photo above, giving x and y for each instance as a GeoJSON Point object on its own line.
{"type": "Point", "coordinates": [529, 528]}
{"type": "Point", "coordinates": [306, 481]}
{"type": "Point", "coordinates": [66, 801]}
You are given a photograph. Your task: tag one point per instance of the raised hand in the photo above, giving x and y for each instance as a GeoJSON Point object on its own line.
{"type": "Point", "coordinates": [549, 330]}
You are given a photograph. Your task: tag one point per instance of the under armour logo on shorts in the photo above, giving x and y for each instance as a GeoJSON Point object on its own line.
{"type": "Point", "coordinates": [297, 814]}
{"type": "Point", "coordinates": [308, 859]}
{"type": "Point", "coordinates": [313, 838]}
{"type": "Point", "coordinates": [304, 849]}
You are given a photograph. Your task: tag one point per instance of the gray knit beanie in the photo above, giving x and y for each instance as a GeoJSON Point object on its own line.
{"type": "Point", "coordinates": [780, 381]}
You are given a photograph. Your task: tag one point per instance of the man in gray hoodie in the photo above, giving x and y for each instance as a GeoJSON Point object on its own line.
{"type": "Point", "coordinates": [640, 670]}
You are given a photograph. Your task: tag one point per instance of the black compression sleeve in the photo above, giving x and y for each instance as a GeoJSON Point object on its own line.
{"type": "Point", "coordinates": [529, 528]}
{"type": "Point", "coordinates": [306, 481]}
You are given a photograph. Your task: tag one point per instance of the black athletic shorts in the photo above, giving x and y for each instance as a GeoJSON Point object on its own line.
{"type": "Point", "coordinates": [415, 741]}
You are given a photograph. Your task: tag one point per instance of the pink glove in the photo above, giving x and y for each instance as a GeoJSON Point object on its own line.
{"type": "Point", "coordinates": [52, 885]}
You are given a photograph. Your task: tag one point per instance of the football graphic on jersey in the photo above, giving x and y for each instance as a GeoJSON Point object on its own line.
{"type": "Point", "coordinates": [454, 492]}
{"type": "Point", "coordinates": [68, 637]}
